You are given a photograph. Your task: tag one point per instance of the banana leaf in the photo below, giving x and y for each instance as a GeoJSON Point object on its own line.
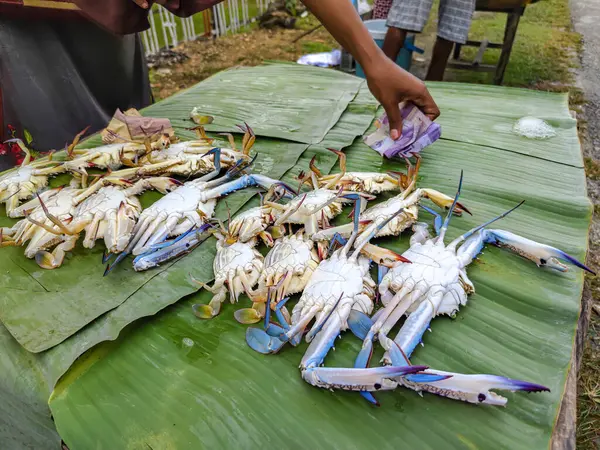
{"type": "Point", "coordinates": [173, 381]}
{"type": "Point", "coordinates": [170, 285]}
{"type": "Point", "coordinates": [490, 114]}
{"type": "Point", "coordinates": [274, 99]}
{"type": "Point", "coordinates": [25, 421]}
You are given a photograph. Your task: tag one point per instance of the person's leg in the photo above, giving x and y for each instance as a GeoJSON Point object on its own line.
{"type": "Point", "coordinates": [404, 16]}
{"type": "Point", "coordinates": [454, 21]}
{"type": "Point", "coordinates": [393, 43]}
{"type": "Point", "coordinates": [439, 59]}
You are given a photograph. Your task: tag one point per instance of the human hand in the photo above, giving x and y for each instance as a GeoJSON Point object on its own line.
{"type": "Point", "coordinates": [391, 85]}
{"type": "Point", "coordinates": [141, 3]}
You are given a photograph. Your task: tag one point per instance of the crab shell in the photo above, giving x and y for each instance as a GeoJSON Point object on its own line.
{"type": "Point", "coordinates": [183, 207]}
{"type": "Point", "coordinates": [191, 158]}
{"type": "Point", "coordinates": [432, 267]}
{"type": "Point", "coordinates": [335, 277]}
{"type": "Point", "coordinates": [293, 257]}
{"type": "Point", "coordinates": [110, 215]}
{"type": "Point", "coordinates": [371, 182]}
{"type": "Point", "coordinates": [58, 205]}
{"type": "Point", "coordinates": [234, 262]}
{"type": "Point", "coordinates": [24, 181]}
{"type": "Point", "coordinates": [304, 205]}
{"type": "Point", "coordinates": [109, 156]}
{"type": "Point", "coordinates": [251, 223]}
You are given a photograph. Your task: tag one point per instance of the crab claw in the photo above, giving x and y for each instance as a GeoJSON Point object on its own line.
{"type": "Point", "coordinates": [359, 324]}
{"type": "Point", "coordinates": [248, 139]}
{"type": "Point", "coordinates": [353, 196]}
{"type": "Point", "coordinates": [383, 256]}
{"type": "Point", "coordinates": [46, 260]}
{"type": "Point", "coordinates": [471, 388]}
{"type": "Point", "coordinates": [443, 201]}
{"type": "Point", "coordinates": [542, 255]}
{"type": "Point", "coordinates": [120, 257]}
{"type": "Point", "coordinates": [371, 379]}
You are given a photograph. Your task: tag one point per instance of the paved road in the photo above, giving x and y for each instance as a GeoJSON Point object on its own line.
{"type": "Point", "coordinates": [586, 17]}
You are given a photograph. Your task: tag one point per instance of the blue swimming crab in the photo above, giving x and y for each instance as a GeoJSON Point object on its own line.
{"type": "Point", "coordinates": [436, 283]}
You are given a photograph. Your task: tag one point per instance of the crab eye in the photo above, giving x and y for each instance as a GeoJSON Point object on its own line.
{"type": "Point", "coordinates": [543, 261]}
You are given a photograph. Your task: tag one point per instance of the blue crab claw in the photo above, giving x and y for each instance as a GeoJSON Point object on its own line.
{"type": "Point", "coordinates": [120, 257]}
{"type": "Point", "coordinates": [217, 163]}
{"type": "Point", "coordinates": [106, 256]}
{"type": "Point", "coordinates": [240, 183]}
{"type": "Point", "coordinates": [262, 342]}
{"type": "Point", "coordinates": [437, 218]}
{"type": "Point", "coordinates": [359, 324]}
{"type": "Point", "coordinates": [240, 166]}
{"type": "Point", "coordinates": [472, 388]}
{"type": "Point", "coordinates": [355, 196]}
{"type": "Point", "coordinates": [542, 255]}
{"type": "Point", "coordinates": [370, 380]}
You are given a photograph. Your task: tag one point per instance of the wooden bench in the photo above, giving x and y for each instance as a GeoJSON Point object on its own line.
{"type": "Point", "coordinates": [514, 10]}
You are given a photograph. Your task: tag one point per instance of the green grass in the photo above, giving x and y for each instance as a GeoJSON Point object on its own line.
{"type": "Point", "coordinates": [544, 52]}
{"type": "Point", "coordinates": [316, 47]}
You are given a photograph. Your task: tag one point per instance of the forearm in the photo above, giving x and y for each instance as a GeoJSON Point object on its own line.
{"type": "Point", "coordinates": [343, 22]}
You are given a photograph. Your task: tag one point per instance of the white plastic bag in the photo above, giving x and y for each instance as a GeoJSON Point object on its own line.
{"type": "Point", "coordinates": [363, 7]}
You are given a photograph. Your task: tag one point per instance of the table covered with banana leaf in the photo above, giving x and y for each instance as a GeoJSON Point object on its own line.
{"type": "Point", "coordinates": [270, 286]}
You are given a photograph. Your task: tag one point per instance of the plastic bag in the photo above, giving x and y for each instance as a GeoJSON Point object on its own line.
{"type": "Point", "coordinates": [363, 7]}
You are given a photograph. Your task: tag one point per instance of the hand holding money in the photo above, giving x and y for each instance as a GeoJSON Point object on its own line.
{"type": "Point", "coordinates": [418, 131]}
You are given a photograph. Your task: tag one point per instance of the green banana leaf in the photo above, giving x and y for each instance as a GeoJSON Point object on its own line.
{"type": "Point", "coordinates": [490, 112]}
{"type": "Point", "coordinates": [274, 99]}
{"type": "Point", "coordinates": [170, 285]}
{"type": "Point", "coordinates": [25, 421]}
{"type": "Point", "coordinates": [173, 381]}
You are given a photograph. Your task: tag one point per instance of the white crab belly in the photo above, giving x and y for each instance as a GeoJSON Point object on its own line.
{"type": "Point", "coordinates": [332, 278]}
{"type": "Point", "coordinates": [183, 199]}
{"type": "Point", "coordinates": [234, 256]}
{"type": "Point", "coordinates": [106, 199]}
{"type": "Point", "coordinates": [288, 254]}
{"type": "Point", "coordinates": [21, 175]}
{"type": "Point", "coordinates": [430, 266]}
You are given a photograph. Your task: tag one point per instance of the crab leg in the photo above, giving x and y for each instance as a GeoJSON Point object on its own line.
{"type": "Point", "coordinates": [26, 207]}
{"type": "Point", "coordinates": [373, 379]}
{"type": "Point", "coordinates": [469, 388]}
{"type": "Point", "coordinates": [165, 251]}
{"type": "Point", "coordinates": [336, 178]}
{"type": "Point", "coordinates": [542, 255]}
{"type": "Point", "coordinates": [47, 260]}
{"type": "Point", "coordinates": [214, 307]}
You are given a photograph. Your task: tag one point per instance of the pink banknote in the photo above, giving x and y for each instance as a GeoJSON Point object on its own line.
{"type": "Point", "coordinates": [418, 131]}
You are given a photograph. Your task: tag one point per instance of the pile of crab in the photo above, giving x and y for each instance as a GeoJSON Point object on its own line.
{"type": "Point", "coordinates": [329, 267]}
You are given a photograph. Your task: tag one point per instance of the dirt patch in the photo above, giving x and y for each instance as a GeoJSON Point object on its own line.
{"type": "Point", "coordinates": [250, 48]}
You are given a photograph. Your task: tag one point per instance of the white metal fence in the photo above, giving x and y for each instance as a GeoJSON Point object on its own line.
{"type": "Point", "coordinates": [167, 30]}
